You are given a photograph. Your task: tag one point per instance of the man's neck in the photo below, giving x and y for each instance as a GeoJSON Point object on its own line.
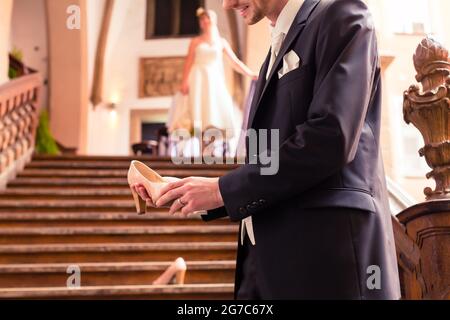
{"type": "Point", "coordinates": [275, 13]}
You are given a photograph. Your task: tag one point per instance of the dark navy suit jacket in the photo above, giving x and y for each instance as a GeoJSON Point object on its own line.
{"type": "Point", "coordinates": [322, 224]}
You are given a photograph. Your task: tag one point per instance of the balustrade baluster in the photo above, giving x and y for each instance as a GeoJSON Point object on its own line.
{"type": "Point", "coordinates": [19, 106]}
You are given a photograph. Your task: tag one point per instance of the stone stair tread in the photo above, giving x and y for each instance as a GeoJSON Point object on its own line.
{"type": "Point", "coordinates": [116, 247]}
{"type": "Point", "coordinates": [93, 292]}
{"type": "Point", "coordinates": [54, 231]}
{"type": "Point", "coordinates": [122, 165]}
{"type": "Point", "coordinates": [66, 192]}
{"type": "Point", "coordinates": [67, 182]}
{"type": "Point", "coordinates": [72, 173]}
{"type": "Point", "coordinates": [91, 181]}
{"type": "Point", "coordinates": [114, 267]}
{"type": "Point", "coordinates": [83, 158]}
{"type": "Point", "coordinates": [105, 174]}
{"type": "Point", "coordinates": [68, 203]}
{"type": "Point", "coordinates": [122, 205]}
{"type": "Point", "coordinates": [86, 215]}
{"type": "Point", "coordinates": [40, 157]}
{"type": "Point", "coordinates": [78, 210]}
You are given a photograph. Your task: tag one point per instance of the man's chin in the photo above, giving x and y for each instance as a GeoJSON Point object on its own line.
{"type": "Point", "coordinates": [252, 20]}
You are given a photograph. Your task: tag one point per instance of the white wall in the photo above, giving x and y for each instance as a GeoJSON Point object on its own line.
{"type": "Point", "coordinates": [29, 35]}
{"type": "Point", "coordinates": [5, 25]}
{"type": "Point", "coordinates": [109, 131]}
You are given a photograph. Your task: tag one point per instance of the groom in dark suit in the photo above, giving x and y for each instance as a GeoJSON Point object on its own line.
{"type": "Point", "coordinates": [320, 228]}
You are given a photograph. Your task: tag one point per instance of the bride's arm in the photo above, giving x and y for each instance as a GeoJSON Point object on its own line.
{"type": "Point", "coordinates": [237, 64]}
{"type": "Point", "coordinates": [188, 66]}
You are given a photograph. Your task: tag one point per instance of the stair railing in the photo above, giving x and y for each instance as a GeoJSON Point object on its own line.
{"type": "Point", "coordinates": [19, 107]}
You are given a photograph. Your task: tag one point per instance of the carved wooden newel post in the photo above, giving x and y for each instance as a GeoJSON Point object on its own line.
{"type": "Point", "coordinates": [425, 262]}
{"type": "Point", "coordinates": [428, 108]}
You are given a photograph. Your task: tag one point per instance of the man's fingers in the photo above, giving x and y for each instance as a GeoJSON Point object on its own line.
{"type": "Point", "coordinates": [170, 196]}
{"type": "Point", "coordinates": [186, 211]}
{"type": "Point", "coordinates": [143, 193]}
{"type": "Point", "coordinates": [173, 185]}
{"type": "Point", "coordinates": [176, 206]}
{"type": "Point", "coordinates": [135, 187]}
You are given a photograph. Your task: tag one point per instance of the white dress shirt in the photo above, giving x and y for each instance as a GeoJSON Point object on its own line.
{"type": "Point", "coordinates": [279, 32]}
{"type": "Point", "coordinates": [281, 29]}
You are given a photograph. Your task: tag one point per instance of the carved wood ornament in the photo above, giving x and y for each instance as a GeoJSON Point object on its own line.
{"type": "Point", "coordinates": [423, 246]}
{"type": "Point", "coordinates": [427, 108]}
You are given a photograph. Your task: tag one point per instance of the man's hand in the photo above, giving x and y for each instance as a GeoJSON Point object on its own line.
{"type": "Point", "coordinates": [142, 192]}
{"type": "Point", "coordinates": [191, 195]}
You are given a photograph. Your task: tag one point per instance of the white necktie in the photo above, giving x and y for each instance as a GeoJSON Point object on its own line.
{"type": "Point", "coordinates": [277, 42]}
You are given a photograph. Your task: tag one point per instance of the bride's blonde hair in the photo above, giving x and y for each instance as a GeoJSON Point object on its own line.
{"type": "Point", "coordinates": [209, 13]}
{"type": "Point", "coordinates": [213, 17]}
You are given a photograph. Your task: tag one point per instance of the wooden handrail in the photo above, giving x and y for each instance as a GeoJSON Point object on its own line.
{"type": "Point", "coordinates": [19, 107]}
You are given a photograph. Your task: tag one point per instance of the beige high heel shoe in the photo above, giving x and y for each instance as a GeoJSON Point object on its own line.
{"type": "Point", "coordinates": [139, 173]}
{"type": "Point", "coordinates": [176, 272]}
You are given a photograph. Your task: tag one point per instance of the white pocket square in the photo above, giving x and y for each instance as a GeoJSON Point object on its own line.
{"type": "Point", "coordinates": [291, 62]}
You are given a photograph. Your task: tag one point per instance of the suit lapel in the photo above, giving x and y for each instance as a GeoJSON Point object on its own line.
{"type": "Point", "coordinates": [258, 90]}
{"type": "Point", "coordinates": [295, 31]}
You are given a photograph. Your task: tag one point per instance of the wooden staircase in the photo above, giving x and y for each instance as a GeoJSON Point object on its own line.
{"type": "Point", "coordinates": [74, 210]}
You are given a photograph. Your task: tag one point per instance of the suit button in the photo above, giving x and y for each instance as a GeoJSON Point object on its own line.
{"type": "Point", "coordinates": [249, 208]}
{"type": "Point", "coordinates": [262, 202]}
{"type": "Point", "coordinates": [242, 211]}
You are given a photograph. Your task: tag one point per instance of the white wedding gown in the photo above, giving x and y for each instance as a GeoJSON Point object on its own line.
{"type": "Point", "coordinates": [208, 103]}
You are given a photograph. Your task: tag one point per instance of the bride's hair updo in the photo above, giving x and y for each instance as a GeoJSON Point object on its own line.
{"type": "Point", "coordinates": [209, 13]}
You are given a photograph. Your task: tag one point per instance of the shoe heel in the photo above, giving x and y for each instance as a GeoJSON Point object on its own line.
{"type": "Point", "coordinates": [180, 277]}
{"type": "Point", "coordinates": [139, 202]}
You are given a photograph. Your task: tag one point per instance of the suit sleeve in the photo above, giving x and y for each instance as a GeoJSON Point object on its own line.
{"type": "Point", "coordinates": [346, 61]}
{"type": "Point", "coordinates": [215, 214]}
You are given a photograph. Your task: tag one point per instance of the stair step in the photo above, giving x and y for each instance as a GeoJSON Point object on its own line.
{"type": "Point", "coordinates": [144, 159]}
{"type": "Point", "coordinates": [46, 194]}
{"type": "Point", "coordinates": [186, 292]}
{"type": "Point", "coordinates": [68, 173]}
{"type": "Point", "coordinates": [51, 182]}
{"type": "Point", "coordinates": [86, 218]}
{"type": "Point", "coordinates": [68, 205]}
{"type": "Point", "coordinates": [64, 183]}
{"type": "Point", "coordinates": [105, 174]}
{"type": "Point", "coordinates": [67, 157]}
{"type": "Point", "coordinates": [106, 274]}
{"type": "Point", "coordinates": [116, 252]}
{"type": "Point", "coordinates": [117, 234]}
{"type": "Point", "coordinates": [72, 205]}
{"type": "Point", "coordinates": [78, 210]}
{"type": "Point", "coordinates": [123, 165]}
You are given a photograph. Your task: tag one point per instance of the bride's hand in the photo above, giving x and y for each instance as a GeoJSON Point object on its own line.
{"type": "Point", "coordinates": [142, 192]}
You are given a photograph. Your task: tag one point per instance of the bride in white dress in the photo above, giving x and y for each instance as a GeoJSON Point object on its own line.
{"type": "Point", "coordinates": [208, 102]}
